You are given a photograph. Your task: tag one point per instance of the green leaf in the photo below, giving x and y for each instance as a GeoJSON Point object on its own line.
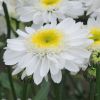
{"type": "Point", "coordinates": [5, 83]}
{"type": "Point", "coordinates": [4, 80]}
{"type": "Point", "coordinates": [43, 92]}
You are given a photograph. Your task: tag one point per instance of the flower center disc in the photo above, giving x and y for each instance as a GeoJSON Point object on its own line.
{"type": "Point", "coordinates": [96, 37]}
{"type": "Point", "coordinates": [96, 34]}
{"type": "Point", "coordinates": [48, 3]}
{"type": "Point", "coordinates": [47, 38]}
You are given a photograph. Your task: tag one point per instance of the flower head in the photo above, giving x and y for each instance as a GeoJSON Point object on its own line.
{"type": "Point", "coordinates": [51, 48]}
{"type": "Point", "coordinates": [94, 29]}
{"type": "Point", "coordinates": [41, 11]}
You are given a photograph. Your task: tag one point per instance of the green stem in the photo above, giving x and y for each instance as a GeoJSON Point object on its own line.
{"type": "Point", "coordinates": [78, 92]}
{"type": "Point", "coordinates": [61, 91]}
{"type": "Point", "coordinates": [7, 18]}
{"type": "Point", "coordinates": [98, 82]}
{"type": "Point", "coordinates": [92, 90]}
{"type": "Point", "coordinates": [25, 87]}
{"type": "Point", "coordinates": [11, 83]}
{"type": "Point", "coordinates": [58, 91]}
{"type": "Point", "coordinates": [74, 84]}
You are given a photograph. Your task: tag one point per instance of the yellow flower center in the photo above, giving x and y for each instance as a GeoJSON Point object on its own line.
{"type": "Point", "coordinates": [50, 3]}
{"type": "Point", "coordinates": [96, 37]}
{"type": "Point", "coordinates": [47, 38]}
{"type": "Point", "coordinates": [96, 33]}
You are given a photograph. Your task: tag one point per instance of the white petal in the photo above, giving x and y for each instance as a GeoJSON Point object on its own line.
{"type": "Point", "coordinates": [23, 75]}
{"type": "Point", "coordinates": [74, 9]}
{"type": "Point", "coordinates": [26, 13]}
{"type": "Point", "coordinates": [24, 61]}
{"type": "Point", "coordinates": [11, 57]}
{"type": "Point", "coordinates": [17, 70]}
{"type": "Point", "coordinates": [53, 69]}
{"type": "Point", "coordinates": [44, 67]}
{"type": "Point", "coordinates": [21, 33]}
{"type": "Point", "coordinates": [29, 30]}
{"type": "Point", "coordinates": [67, 56]}
{"type": "Point", "coordinates": [57, 77]}
{"type": "Point", "coordinates": [32, 65]}
{"type": "Point", "coordinates": [80, 53]}
{"type": "Point", "coordinates": [37, 77]}
{"type": "Point", "coordinates": [54, 64]}
{"type": "Point", "coordinates": [60, 61]}
{"type": "Point", "coordinates": [52, 58]}
{"type": "Point", "coordinates": [70, 66]}
{"type": "Point", "coordinates": [37, 19]}
{"type": "Point", "coordinates": [16, 44]}
{"type": "Point", "coordinates": [67, 23]}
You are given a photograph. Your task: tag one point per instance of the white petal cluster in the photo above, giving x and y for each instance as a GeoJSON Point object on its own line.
{"type": "Point", "coordinates": [92, 7]}
{"type": "Point", "coordinates": [72, 54]}
{"type": "Point", "coordinates": [34, 11]}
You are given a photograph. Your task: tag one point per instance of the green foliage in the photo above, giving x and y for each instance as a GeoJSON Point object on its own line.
{"type": "Point", "coordinates": [4, 81]}
{"type": "Point", "coordinates": [42, 94]}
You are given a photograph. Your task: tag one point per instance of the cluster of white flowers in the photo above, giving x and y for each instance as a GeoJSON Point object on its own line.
{"type": "Point", "coordinates": [55, 41]}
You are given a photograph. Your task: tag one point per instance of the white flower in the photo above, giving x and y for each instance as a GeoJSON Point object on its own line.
{"type": "Point", "coordinates": [93, 27]}
{"type": "Point", "coordinates": [11, 5]}
{"type": "Point", "coordinates": [3, 27]}
{"type": "Point", "coordinates": [93, 7]}
{"type": "Point", "coordinates": [41, 11]}
{"type": "Point", "coordinates": [50, 48]}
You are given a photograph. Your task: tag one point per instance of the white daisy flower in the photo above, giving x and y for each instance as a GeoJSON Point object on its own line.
{"type": "Point", "coordinates": [50, 48]}
{"type": "Point", "coordinates": [93, 27]}
{"type": "Point", "coordinates": [48, 10]}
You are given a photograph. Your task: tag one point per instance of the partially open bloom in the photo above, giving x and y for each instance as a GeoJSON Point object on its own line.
{"type": "Point", "coordinates": [94, 29]}
{"type": "Point", "coordinates": [48, 10]}
{"type": "Point", "coordinates": [51, 48]}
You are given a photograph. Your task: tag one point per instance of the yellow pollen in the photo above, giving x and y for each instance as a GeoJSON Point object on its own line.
{"type": "Point", "coordinates": [47, 38]}
{"type": "Point", "coordinates": [50, 3]}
